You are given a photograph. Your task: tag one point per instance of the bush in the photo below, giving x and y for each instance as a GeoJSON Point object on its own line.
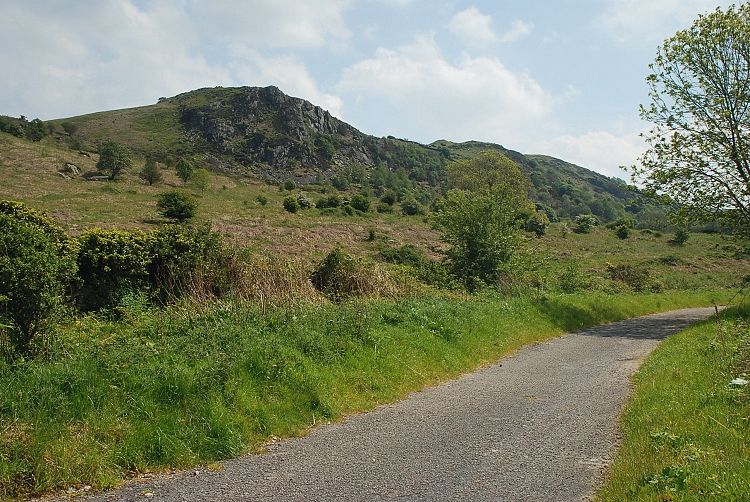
{"type": "Point", "coordinates": [572, 280]}
{"type": "Point", "coordinates": [340, 275]}
{"type": "Point", "coordinates": [330, 201]}
{"type": "Point", "coordinates": [635, 277]}
{"type": "Point", "coordinates": [290, 185]}
{"type": "Point", "coordinates": [262, 200]}
{"type": "Point", "coordinates": [537, 223]}
{"type": "Point", "coordinates": [112, 263]}
{"type": "Point", "coordinates": [410, 207]}
{"type": "Point", "coordinates": [389, 198]}
{"type": "Point", "coordinates": [622, 232]}
{"type": "Point", "coordinates": [303, 202]}
{"type": "Point", "coordinates": [360, 203]}
{"type": "Point", "coordinates": [291, 204]}
{"type": "Point", "coordinates": [165, 264]}
{"type": "Point", "coordinates": [681, 236]}
{"type": "Point", "coordinates": [383, 208]}
{"type": "Point", "coordinates": [36, 270]}
{"type": "Point", "coordinates": [584, 223]}
{"type": "Point", "coordinates": [176, 205]}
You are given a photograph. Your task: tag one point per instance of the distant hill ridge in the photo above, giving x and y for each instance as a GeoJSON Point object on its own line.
{"type": "Point", "coordinates": [260, 131]}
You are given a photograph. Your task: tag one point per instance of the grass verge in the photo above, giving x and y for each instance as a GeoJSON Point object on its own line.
{"type": "Point", "coordinates": [178, 387]}
{"type": "Point", "coordinates": [686, 434]}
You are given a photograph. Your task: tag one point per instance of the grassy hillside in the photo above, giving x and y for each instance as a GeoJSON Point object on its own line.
{"type": "Point", "coordinates": [231, 206]}
{"type": "Point", "coordinates": [264, 134]}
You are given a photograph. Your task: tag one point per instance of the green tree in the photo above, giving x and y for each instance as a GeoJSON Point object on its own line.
{"type": "Point", "coordinates": [184, 170]}
{"type": "Point", "coordinates": [584, 223]}
{"type": "Point", "coordinates": [698, 149]}
{"type": "Point", "coordinates": [176, 205]}
{"type": "Point", "coordinates": [150, 173]}
{"type": "Point", "coordinates": [113, 159]}
{"type": "Point", "coordinates": [36, 269]}
{"type": "Point", "coordinates": [480, 215]}
{"type": "Point", "coordinates": [201, 180]}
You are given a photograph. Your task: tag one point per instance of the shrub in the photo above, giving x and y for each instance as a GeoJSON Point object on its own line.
{"type": "Point", "coordinates": [635, 277]}
{"type": "Point", "coordinates": [584, 223]}
{"type": "Point", "coordinates": [112, 263]}
{"type": "Point", "coordinates": [176, 205]}
{"type": "Point", "coordinates": [360, 203]}
{"type": "Point", "coordinates": [290, 185]}
{"type": "Point", "coordinates": [572, 279]}
{"type": "Point", "coordinates": [36, 270]}
{"type": "Point", "coordinates": [291, 204]}
{"type": "Point", "coordinates": [681, 236]}
{"type": "Point", "coordinates": [339, 183]}
{"type": "Point", "coordinates": [410, 207]}
{"type": "Point", "coordinates": [262, 200]}
{"type": "Point", "coordinates": [340, 275]}
{"type": "Point", "coordinates": [383, 208]}
{"type": "Point", "coordinates": [537, 223]}
{"type": "Point", "coordinates": [389, 198]}
{"type": "Point", "coordinates": [622, 232]}
{"type": "Point", "coordinates": [303, 202]}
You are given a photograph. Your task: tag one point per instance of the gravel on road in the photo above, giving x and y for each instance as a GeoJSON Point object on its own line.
{"type": "Point", "coordinates": [538, 425]}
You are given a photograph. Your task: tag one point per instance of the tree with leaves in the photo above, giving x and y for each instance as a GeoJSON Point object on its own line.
{"type": "Point", "coordinates": [114, 159]}
{"type": "Point", "coordinates": [201, 180]}
{"type": "Point", "coordinates": [184, 170]}
{"type": "Point", "coordinates": [150, 173]}
{"type": "Point", "coordinates": [176, 205]}
{"type": "Point", "coordinates": [481, 215]}
{"type": "Point", "coordinates": [699, 147]}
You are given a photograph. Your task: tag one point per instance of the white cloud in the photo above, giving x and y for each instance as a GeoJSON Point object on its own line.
{"type": "Point", "coordinates": [474, 98]}
{"type": "Point", "coordinates": [63, 59]}
{"type": "Point", "coordinates": [600, 151]}
{"type": "Point", "coordinates": [518, 29]}
{"type": "Point", "coordinates": [472, 27]}
{"type": "Point", "coordinates": [651, 21]}
{"type": "Point", "coordinates": [272, 23]}
{"type": "Point", "coordinates": [285, 72]}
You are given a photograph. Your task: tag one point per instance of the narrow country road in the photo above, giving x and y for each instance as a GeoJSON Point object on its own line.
{"type": "Point", "coordinates": [539, 425]}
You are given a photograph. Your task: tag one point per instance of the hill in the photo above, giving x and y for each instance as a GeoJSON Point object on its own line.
{"type": "Point", "coordinates": [261, 132]}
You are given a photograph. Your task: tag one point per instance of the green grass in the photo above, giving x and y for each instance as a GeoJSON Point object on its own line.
{"type": "Point", "coordinates": [685, 432]}
{"type": "Point", "coordinates": [174, 388]}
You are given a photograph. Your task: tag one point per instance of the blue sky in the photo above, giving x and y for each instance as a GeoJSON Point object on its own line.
{"type": "Point", "coordinates": [559, 77]}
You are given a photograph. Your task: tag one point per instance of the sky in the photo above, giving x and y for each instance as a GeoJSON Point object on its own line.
{"type": "Point", "coordinates": [556, 77]}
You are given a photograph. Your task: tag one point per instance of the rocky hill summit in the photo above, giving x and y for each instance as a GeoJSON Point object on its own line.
{"type": "Point", "coordinates": [263, 132]}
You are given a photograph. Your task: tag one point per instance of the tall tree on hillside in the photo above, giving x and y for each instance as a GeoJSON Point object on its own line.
{"type": "Point", "coordinates": [113, 159]}
{"type": "Point", "coordinates": [699, 146]}
{"type": "Point", "coordinates": [184, 170]}
{"type": "Point", "coordinates": [481, 214]}
{"type": "Point", "coordinates": [150, 172]}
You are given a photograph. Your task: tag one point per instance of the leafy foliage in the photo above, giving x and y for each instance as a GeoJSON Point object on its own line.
{"type": "Point", "coordinates": [35, 273]}
{"type": "Point", "coordinates": [479, 216]}
{"type": "Point", "coordinates": [290, 204]}
{"type": "Point", "coordinates": [340, 275]}
{"type": "Point", "coordinates": [150, 173]}
{"type": "Point", "coordinates": [360, 203]}
{"type": "Point", "coordinates": [699, 148]}
{"type": "Point", "coordinates": [584, 223]}
{"type": "Point", "coordinates": [176, 205]}
{"type": "Point", "coordinates": [184, 170]}
{"type": "Point", "coordinates": [114, 158]}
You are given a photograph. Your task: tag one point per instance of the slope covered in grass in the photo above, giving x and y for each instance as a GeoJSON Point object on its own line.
{"type": "Point", "coordinates": [174, 388]}
{"type": "Point", "coordinates": [686, 435]}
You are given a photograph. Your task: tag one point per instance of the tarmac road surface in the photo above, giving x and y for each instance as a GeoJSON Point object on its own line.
{"type": "Point", "coordinates": [539, 425]}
